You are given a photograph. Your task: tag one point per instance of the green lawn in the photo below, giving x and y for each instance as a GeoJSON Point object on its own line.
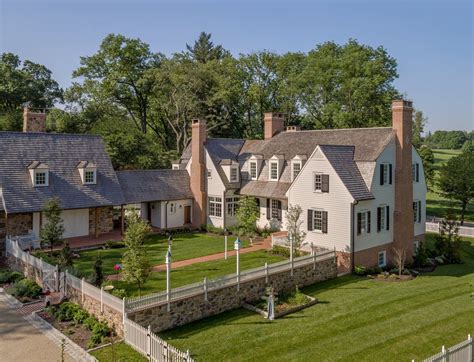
{"type": "Point", "coordinates": [196, 273]}
{"type": "Point", "coordinates": [437, 205]}
{"type": "Point", "coordinates": [185, 246]}
{"type": "Point", "coordinates": [357, 320]}
{"type": "Point", "coordinates": [119, 352]}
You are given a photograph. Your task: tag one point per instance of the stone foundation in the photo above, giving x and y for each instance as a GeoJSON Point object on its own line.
{"type": "Point", "coordinates": [19, 224]}
{"type": "Point", "coordinates": [105, 222]}
{"type": "Point", "coordinates": [188, 309]}
{"type": "Point", "coordinates": [370, 257]}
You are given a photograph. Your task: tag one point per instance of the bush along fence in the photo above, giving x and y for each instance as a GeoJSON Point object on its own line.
{"type": "Point", "coordinates": [434, 227]}
{"type": "Point", "coordinates": [96, 301]}
{"type": "Point", "coordinates": [462, 352]}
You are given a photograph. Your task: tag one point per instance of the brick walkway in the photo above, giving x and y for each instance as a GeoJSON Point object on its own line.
{"type": "Point", "coordinates": [264, 245]}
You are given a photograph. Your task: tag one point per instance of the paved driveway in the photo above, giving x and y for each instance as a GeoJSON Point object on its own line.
{"type": "Point", "coordinates": [20, 341]}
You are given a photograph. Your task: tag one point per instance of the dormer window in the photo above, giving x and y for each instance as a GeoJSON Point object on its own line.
{"type": "Point", "coordinates": [296, 165]}
{"type": "Point", "coordinates": [234, 174]}
{"type": "Point", "coordinates": [253, 170]}
{"type": "Point", "coordinates": [41, 178]}
{"type": "Point", "coordinates": [88, 172]}
{"type": "Point", "coordinates": [274, 170]}
{"type": "Point", "coordinates": [39, 173]}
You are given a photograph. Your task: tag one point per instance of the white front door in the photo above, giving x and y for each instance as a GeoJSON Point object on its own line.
{"type": "Point", "coordinates": [76, 222]}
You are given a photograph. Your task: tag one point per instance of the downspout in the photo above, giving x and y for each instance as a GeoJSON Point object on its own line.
{"type": "Point", "coordinates": [224, 210]}
{"type": "Point", "coordinates": [166, 214]}
{"type": "Point", "coordinates": [352, 235]}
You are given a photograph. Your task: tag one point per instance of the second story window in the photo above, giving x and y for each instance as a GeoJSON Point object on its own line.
{"type": "Point", "coordinates": [296, 169]}
{"type": "Point", "coordinates": [41, 178]}
{"type": "Point", "coordinates": [89, 176]}
{"type": "Point", "coordinates": [385, 174]}
{"type": "Point", "coordinates": [274, 171]}
{"type": "Point", "coordinates": [321, 182]}
{"type": "Point", "coordinates": [417, 211]}
{"type": "Point", "coordinates": [234, 174]}
{"type": "Point", "coordinates": [253, 170]}
{"type": "Point", "coordinates": [209, 173]}
{"type": "Point", "coordinates": [415, 172]}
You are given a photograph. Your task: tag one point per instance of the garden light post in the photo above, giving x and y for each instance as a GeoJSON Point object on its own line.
{"type": "Point", "coordinates": [237, 249]}
{"type": "Point", "coordinates": [226, 233]}
{"type": "Point", "coordinates": [168, 272]}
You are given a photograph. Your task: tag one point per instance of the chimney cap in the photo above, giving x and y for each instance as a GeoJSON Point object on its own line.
{"type": "Point", "coordinates": [404, 103]}
{"type": "Point", "coordinates": [198, 121]}
{"type": "Point", "coordinates": [274, 115]}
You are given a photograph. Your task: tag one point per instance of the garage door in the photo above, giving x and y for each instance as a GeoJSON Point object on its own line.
{"type": "Point", "coordinates": [76, 222]}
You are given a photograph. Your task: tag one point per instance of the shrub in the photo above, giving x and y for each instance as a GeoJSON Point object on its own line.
{"type": "Point", "coordinates": [66, 311]}
{"type": "Point", "coordinates": [119, 293]}
{"type": "Point", "coordinates": [26, 288]}
{"type": "Point", "coordinates": [90, 322]}
{"type": "Point", "coordinates": [100, 331]}
{"type": "Point", "coordinates": [9, 276]}
{"type": "Point", "coordinates": [79, 316]}
{"type": "Point", "coordinates": [360, 270]}
{"type": "Point", "coordinates": [214, 229]}
{"type": "Point", "coordinates": [420, 259]}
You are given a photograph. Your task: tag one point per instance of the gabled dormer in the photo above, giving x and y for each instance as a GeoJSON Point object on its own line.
{"type": "Point", "coordinates": [275, 166]}
{"type": "Point", "coordinates": [88, 172]}
{"type": "Point", "coordinates": [296, 165]}
{"type": "Point", "coordinates": [39, 173]}
{"type": "Point", "coordinates": [254, 166]}
{"type": "Point", "coordinates": [231, 170]}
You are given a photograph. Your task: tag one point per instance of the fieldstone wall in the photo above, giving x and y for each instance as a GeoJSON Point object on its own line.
{"type": "Point", "coordinates": [3, 232]}
{"type": "Point", "coordinates": [20, 224]}
{"type": "Point", "coordinates": [113, 318]}
{"type": "Point", "coordinates": [28, 271]}
{"type": "Point", "coordinates": [193, 308]}
{"type": "Point", "coordinates": [105, 222]}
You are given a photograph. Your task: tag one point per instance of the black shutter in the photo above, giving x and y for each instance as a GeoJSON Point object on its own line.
{"type": "Point", "coordinates": [417, 172]}
{"type": "Point", "coordinates": [268, 210]}
{"type": "Point", "coordinates": [419, 211]}
{"type": "Point", "coordinates": [257, 201]}
{"type": "Point", "coordinates": [310, 220]}
{"type": "Point", "coordinates": [390, 174]}
{"type": "Point", "coordinates": [325, 183]}
{"type": "Point", "coordinates": [325, 222]}
{"type": "Point", "coordinates": [381, 174]}
{"type": "Point", "coordinates": [279, 210]}
{"type": "Point", "coordinates": [368, 221]}
{"type": "Point", "coordinates": [379, 215]}
{"type": "Point", "coordinates": [387, 216]}
{"type": "Point", "coordinates": [359, 223]}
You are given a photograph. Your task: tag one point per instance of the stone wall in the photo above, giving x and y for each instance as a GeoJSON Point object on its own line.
{"type": "Point", "coordinates": [3, 232]}
{"type": "Point", "coordinates": [19, 224]}
{"type": "Point", "coordinates": [186, 310]}
{"type": "Point", "coordinates": [105, 222]}
{"type": "Point", "coordinates": [28, 271]}
{"type": "Point", "coordinates": [113, 318]}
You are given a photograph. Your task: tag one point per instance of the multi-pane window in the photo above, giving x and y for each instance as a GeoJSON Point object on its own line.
{"type": "Point", "coordinates": [234, 174]}
{"type": "Point", "coordinates": [317, 220]}
{"type": "Point", "coordinates": [383, 218]}
{"type": "Point", "coordinates": [274, 171]}
{"type": "Point", "coordinates": [382, 259]}
{"type": "Point", "coordinates": [232, 205]}
{"type": "Point", "coordinates": [253, 170]}
{"type": "Point", "coordinates": [385, 174]}
{"type": "Point", "coordinates": [296, 169]}
{"type": "Point", "coordinates": [318, 182]}
{"type": "Point", "coordinates": [172, 208]}
{"type": "Point", "coordinates": [40, 178]}
{"type": "Point", "coordinates": [209, 173]}
{"type": "Point", "coordinates": [417, 211]}
{"type": "Point", "coordinates": [215, 206]}
{"type": "Point", "coordinates": [363, 222]}
{"type": "Point", "coordinates": [276, 212]}
{"type": "Point", "coordinates": [415, 172]}
{"type": "Point", "coordinates": [89, 177]}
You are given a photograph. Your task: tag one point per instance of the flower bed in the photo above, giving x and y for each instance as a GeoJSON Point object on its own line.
{"type": "Point", "coordinates": [15, 284]}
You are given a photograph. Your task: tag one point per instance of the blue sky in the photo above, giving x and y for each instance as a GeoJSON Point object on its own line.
{"type": "Point", "coordinates": [431, 40]}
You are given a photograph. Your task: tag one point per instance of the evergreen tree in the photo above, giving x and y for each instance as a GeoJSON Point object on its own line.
{"type": "Point", "coordinates": [52, 232]}
{"type": "Point", "coordinates": [247, 215]}
{"type": "Point", "coordinates": [65, 256]}
{"type": "Point", "coordinates": [98, 277]}
{"type": "Point", "coordinates": [203, 50]}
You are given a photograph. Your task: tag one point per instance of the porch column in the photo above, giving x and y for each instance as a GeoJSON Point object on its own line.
{"type": "Point", "coordinates": [122, 220]}
{"type": "Point", "coordinates": [96, 222]}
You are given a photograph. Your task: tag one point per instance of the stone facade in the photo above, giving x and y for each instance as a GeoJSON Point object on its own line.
{"type": "Point", "coordinates": [19, 224]}
{"type": "Point", "coordinates": [186, 310]}
{"type": "Point", "coordinates": [28, 271]}
{"type": "Point", "coordinates": [105, 222]}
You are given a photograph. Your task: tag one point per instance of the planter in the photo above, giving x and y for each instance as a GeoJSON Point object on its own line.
{"type": "Point", "coordinates": [284, 312]}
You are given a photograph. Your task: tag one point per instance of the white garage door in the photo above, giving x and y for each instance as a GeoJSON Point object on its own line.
{"type": "Point", "coordinates": [76, 222]}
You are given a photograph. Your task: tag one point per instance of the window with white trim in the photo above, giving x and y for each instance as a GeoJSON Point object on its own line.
{"type": "Point", "coordinates": [415, 172]}
{"type": "Point", "coordinates": [417, 211]}
{"type": "Point", "coordinates": [172, 208]}
{"type": "Point", "coordinates": [215, 206]}
{"type": "Point", "coordinates": [382, 259]}
{"type": "Point", "coordinates": [274, 170]}
{"type": "Point", "coordinates": [318, 220]}
{"type": "Point", "coordinates": [318, 182]}
{"type": "Point", "coordinates": [89, 176]}
{"type": "Point", "coordinates": [232, 205]}
{"type": "Point", "coordinates": [383, 218]}
{"type": "Point", "coordinates": [41, 178]}
{"type": "Point", "coordinates": [363, 222]}
{"type": "Point", "coordinates": [253, 170]}
{"type": "Point", "coordinates": [276, 211]}
{"type": "Point", "coordinates": [296, 169]}
{"type": "Point", "coordinates": [234, 175]}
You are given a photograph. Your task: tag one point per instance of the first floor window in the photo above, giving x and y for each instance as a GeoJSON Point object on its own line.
{"type": "Point", "coordinates": [253, 170]}
{"type": "Point", "coordinates": [276, 209]}
{"type": "Point", "coordinates": [318, 220]}
{"type": "Point", "coordinates": [417, 211]}
{"type": "Point", "coordinates": [382, 260]}
{"type": "Point", "coordinates": [40, 178]}
{"type": "Point", "coordinates": [363, 222]}
{"type": "Point", "coordinates": [232, 205]}
{"type": "Point", "coordinates": [215, 206]}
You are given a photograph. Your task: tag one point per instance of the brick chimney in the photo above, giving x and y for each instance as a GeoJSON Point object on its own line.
{"type": "Point", "coordinates": [403, 237]}
{"type": "Point", "coordinates": [274, 123]}
{"type": "Point", "coordinates": [198, 172]}
{"type": "Point", "coordinates": [34, 120]}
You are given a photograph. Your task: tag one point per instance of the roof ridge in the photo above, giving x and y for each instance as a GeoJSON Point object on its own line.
{"type": "Point", "coordinates": [50, 134]}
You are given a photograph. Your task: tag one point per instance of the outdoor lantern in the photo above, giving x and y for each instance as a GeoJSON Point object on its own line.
{"type": "Point", "coordinates": [170, 240]}
{"type": "Point", "coordinates": [237, 244]}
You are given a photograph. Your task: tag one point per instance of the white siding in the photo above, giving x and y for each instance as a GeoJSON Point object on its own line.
{"type": "Point", "coordinates": [419, 193]}
{"type": "Point", "coordinates": [337, 202]}
{"type": "Point", "coordinates": [176, 219]}
{"type": "Point", "coordinates": [384, 195]}
{"type": "Point", "coordinates": [155, 218]}
{"type": "Point", "coordinates": [215, 187]}
{"type": "Point", "coordinates": [75, 222]}
{"type": "Point", "coordinates": [36, 224]}
{"type": "Point", "coordinates": [263, 222]}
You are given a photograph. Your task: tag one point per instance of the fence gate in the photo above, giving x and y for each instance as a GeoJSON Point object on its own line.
{"type": "Point", "coordinates": [62, 285]}
{"type": "Point", "coordinates": [50, 279]}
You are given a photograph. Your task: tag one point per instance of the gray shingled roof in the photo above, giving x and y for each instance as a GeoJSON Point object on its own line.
{"type": "Point", "coordinates": [61, 153]}
{"type": "Point", "coordinates": [342, 160]}
{"type": "Point", "coordinates": [269, 189]}
{"type": "Point", "coordinates": [368, 142]}
{"type": "Point", "coordinates": [154, 185]}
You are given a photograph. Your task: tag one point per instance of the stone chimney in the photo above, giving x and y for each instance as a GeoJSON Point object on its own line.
{"type": "Point", "coordinates": [273, 123]}
{"type": "Point", "coordinates": [34, 119]}
{"type": "Point", "coordinates": [198, 172]}
{"type": "Point", "coordinates": [403, 237]}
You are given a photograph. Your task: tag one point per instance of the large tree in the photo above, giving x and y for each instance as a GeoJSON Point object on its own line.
{"type": "Point", "coordinates": [456, 180]}
{"type": "Point", "coordinates": [419, 123]}
{"type": "Point", "coordinates": [203, 50]}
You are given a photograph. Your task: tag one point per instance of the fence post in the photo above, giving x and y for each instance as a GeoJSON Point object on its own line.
{"type": "Point", "coordinates": [82, 290]}
{"type": "Point", "coordinates": [148, 343]}
{"type": "Point", "coordinates": [123, 310]}
{"type": "Point", "coordinates": [56, 279]}
{"type": "Point", "coordinates": [188, 355]}
{"type": "Point", "coordinates": [470, 348]}
{"type": "Point", "coordinates": [266, 273]}
{"type": "Point", "coordinates": [205, 288]}
{"type": "Point", "coordinates": [102, 299]}
{"type": "Point", "coordinates": [314, 261]}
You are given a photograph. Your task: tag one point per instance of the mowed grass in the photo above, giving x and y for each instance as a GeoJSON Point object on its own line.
{"type": "Point", "coordinates": [356, 320]}
{"type": "Point", "coordinates": [185, 246]}
{"type": "Point", "coordinates": [195, 273]}
{"type": "Point", "coordinates": [119, 352]}
{"type": "Point", "coordinates": [437, 205]}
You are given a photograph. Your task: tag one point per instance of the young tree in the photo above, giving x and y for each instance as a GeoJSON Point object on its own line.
{"type": "Point", "coordinates": [293, 225]}
{"type": "Point", "coordinates": [456, 180]}
{"type": "Point", "coordinates": [448, 242]}
{"type": "Point", "coordinates": [65, 256]}
{"type": "Point", "coordinates": [98, 276]}
{"type": "Point", "coordinates": [247, 215]}
{"type": "Point", "coordinates": [134, 260]}
{"type": "Point", "coordinates": [400, 256]}
{"type": "Point", "coordinates": [427, 158]}
{"type": "Point", "coordinates": [52, 232]}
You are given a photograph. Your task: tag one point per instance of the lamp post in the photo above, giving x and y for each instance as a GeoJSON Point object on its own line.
{"type": "Point", "coordinates": [237, 245]}
{"type": "Point", "coordinates": [168, 272]}
{"type": "Point", "coordinates": [291, 252]}
{"type": "Point", "coordinates": [226, 234]}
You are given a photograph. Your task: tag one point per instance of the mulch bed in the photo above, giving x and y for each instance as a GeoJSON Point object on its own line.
{"type": "Point", "coordinates": [425, 269]}
{"type": "Point", "coordinates": [392, 278]}
{"type": "Point", "coordinates": [77, 333]}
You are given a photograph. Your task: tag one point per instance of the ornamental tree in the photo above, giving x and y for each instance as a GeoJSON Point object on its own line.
{"type": "Point", "coordinates": [52, 232]}
{"type": "Point", "coordinates": [247, 215]}
{"type": "Point", "coordinates": [293, 225]}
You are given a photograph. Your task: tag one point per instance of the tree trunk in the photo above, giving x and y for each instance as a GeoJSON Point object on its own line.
{"type": "Point", "coordinates": [463, 211]}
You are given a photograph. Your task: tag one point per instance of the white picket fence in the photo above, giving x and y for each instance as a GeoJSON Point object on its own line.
{"type": "Point", "coordinates": [139, 303]}
{"type": "Point", "coordinates": [152, 346]}
{"type": "Point", "coordinates": [434, 227]}
{"type": "Point", "coordinates": [462, 352]}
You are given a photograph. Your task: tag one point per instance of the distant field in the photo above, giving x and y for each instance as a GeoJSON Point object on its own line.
{"type": "Point", "coordinates": [437, 205]}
